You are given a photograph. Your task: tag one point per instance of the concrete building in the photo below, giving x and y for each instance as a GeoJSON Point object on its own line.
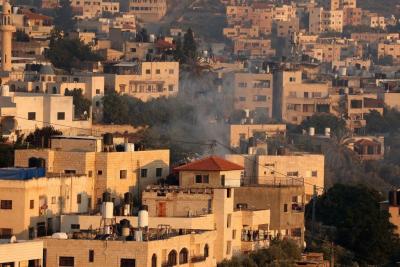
{"type": "Point", "coordinates": [295, 99]}
{"type": "Point", "coordinates": [250, 91]}
{"type": "Point", "coordinates": [283, 169]}
{"type": "Point", "coordinates": [146, 80]}
{"type": "Point", "coordinates": [392, 206]}
{"type": "Point", "coordinates": [286, 28]}
{"type": "Point", "coordinates": [24, 112]}
{"type": "Point", "coordinates": [162, 247]}
{"type": "Point", "coordinates": [352, 16]}
{"type": "Point", "coordinates": [245, 131]}
{"type": "Point", "coordinates": [34, 201]}
{"type": "Point", "coordinates": [148, 11]}
{"type": "Point", "coordinates": [373, 20]}
{"type": "Point", "coordinates": [389, 49]}
{"type": "Point", "coordinates": [118, 172]}
{"type": "Point", "coordinates": [253, 48]}
{"type": "Point", "coordinates": [367, 147]}
{"type": "Point", "coordinates": [94, 8]}
{"type": "Point", "coordinates": [321, 20]}
{"type": "Point", "coordinates": [21, 253]}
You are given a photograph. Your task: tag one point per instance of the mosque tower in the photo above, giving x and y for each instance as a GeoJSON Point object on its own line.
{"type": "Point", "coordinates": [6, 30]}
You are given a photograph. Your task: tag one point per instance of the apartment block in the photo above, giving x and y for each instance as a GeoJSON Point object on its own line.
{"type": "Point", "coordinates": [352, 16]}
{"type": "Point", "coordinates": [148, 10]}
{"type": "Point", "coordinates": [118, 172]}
{"type": "Point", "coordinates": [295, 99]}
{"type": "Point", "coordinates": [21, 253]}
{"type": "Point", "coordinates": [250, 91]}
{"type": "Point", "coordinates": [286, 28]}
{"type": "Point", "coordinates": [253, 48]}
{"type": "Point", "coordinates": [238, 31]}
{"type": "Point", "coordinates": [164, 247]}
{"type": "Point", "coordinates": [389, 50]}
{"type": "Point", "coordinates": [373, 20]}
{"type": "Point", "coordinates": [148, 80]}
{"type": "Point", "coordinates": [321, 20]}
{"type": "Point", "coordinates": [283, 169]}
{"type": "Point", "coordinates": [24, 112]}
{"type": "Point", "coordinates": [245, 131]}
{"type": "Point", "coordinates": [31, 200]}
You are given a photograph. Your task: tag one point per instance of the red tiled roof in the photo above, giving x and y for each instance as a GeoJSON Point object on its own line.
{"type": "Point", "coordinates": [212, 163]}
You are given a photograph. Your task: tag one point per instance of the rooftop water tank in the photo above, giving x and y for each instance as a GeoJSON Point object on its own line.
{"type": "Point", "coordinates": [143, 218]}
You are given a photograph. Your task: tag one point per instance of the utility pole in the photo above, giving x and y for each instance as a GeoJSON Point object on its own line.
{"type": "Point", "coordinates": [332, 262]}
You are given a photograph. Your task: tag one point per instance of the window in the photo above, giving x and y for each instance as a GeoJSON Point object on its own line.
{"type": "Point", "coordinates": [223, 180]}
{"type": "Point", "coordinates": [206, 251]}
{"type": "Point", "coordinates": [285, 208]}
{"type": "Point", "coordinates": [292, 173]}
{"type": "Point", "coordinates": [66, 261]}
{"type": "Point", "coordinates": [91, 255]}
{"type": "Point", "coordinates": [99, 172]}
{"type": "Point", "coordinates": [75, 226]}
{"type": "Point", "coordinates": [171, 87]}
{"type": "Point", "coordinates": [228, 220]}
{"type": "Point", "coordinates": [228, 192]}
{"type": "Point", "coordinates": [242, 98]}
{"type": "Point", "coordinates": [202, 179]}
{"type": "Point", "coordinates": [158, 172]}
{"type": "Point", "coordinates": [234, 234]}
{"type": "Point", "coordinates": [172, 258]}
{"type": "Point", "coordinates": [133, 50]}
{"type": "Point", "coordinates": [5, 233]}
{"type": "Point", "coordinates": [31, 116]}
{"type": "Point", "coordinates": [154, 260]}
{"type": "Point", "coordinates": [53, 200]}
{"type": "Point", "coordinates": [70, 171]}
{"type": "Point", "coordinates": [143, 173]}
{"type": "Point", "coordinates": [79, 198]}
{"type": "Point", "coordinates": [228, 247]}
{"type": "Point", "coordinates": [148, 71]}
{"type": "Point", "coordinates": [90, 173]}
{"type": "Point", "coordinates": [60, 116]}
{"type": "Point", "coordinates": [314, 173]}
{"type": "Point", "coordinates": [123, 174]}
{"type": "Point", "coordinates": [97, 91]}
{"type": "Point", "coordinates": [6, 204]}
{"type": "Point", "coordinates": [158, 71]}
{"type": "Point", "coordinates": [32, 204]}
{"type": "Point", "coordinates": [292, 79]}
{"type": "Point", "coordinates": [171, 71]}
{"type": "Point", "coordinates": [183, 256]}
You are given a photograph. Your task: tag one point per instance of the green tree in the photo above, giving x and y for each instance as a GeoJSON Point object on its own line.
{"type": "Point", "coordinates": [63, 19]}
{"type": "Point", "coordinates": [359, 224]}
{"type": "Point", "coordinates": [189, 46]}
{"type": "Point", "coordinates": [67, 53]}
{"type": "Point", "coordinates": [320, 121]}
{"type": "Point", "coordinates": [81, 104]}
{"type": "Point", "coordinates": [21, 36]}
{"type": "Point", "coordinates": [178, 52]}
{"type": "Point", "coordinates": [40, 138]}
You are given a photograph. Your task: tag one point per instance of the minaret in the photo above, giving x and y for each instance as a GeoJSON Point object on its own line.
{"type": "Point", "coordinates": [6, 29]}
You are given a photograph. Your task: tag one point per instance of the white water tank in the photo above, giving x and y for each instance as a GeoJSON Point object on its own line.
{"type": "Point", "coordinates": [125, 231]}
{"type": "Point", "coordinates": [129, 147]}
{"type": "Point", "coordinates": [342, 71]}
{"type": "Point", "coordinates": [107, 210]}
{"type": "Point", "coordinates": [311, 131]}
{"type": "Point", "coordinates": [59, 236]}
{"type": "Point", "coordinates": [152, 38]}
{"type": "Point", "coordinates": [138, 235]}
{"type": "Point", "coordinates": [327, 131]}
{"type": "Point", "coordinates": [127, 209]}
{"type": "Point", "coordinates": [247, 111]}
{"type": "Point", "coordinates": [143, 219]}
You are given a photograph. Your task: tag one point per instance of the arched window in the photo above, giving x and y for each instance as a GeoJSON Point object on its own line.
{"type": "Point", "coordinates": [206, 248]}
{"type": "Point", "coordinates": [154, 260]}
{"type": "Point", "coordinates": [172, 258]}
{"type": "Point", "coordinates": [183, 256]}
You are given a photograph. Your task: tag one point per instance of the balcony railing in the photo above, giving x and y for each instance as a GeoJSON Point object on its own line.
{"type": "Point", "coordinates": [195, 259]}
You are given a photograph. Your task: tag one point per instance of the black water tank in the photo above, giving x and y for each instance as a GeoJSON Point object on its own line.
{"type": "Point", "coordinates": [106, 197]}
{"type": "Point", "coordinates": [144, 207]}
{"type": "Point", "coordinates": [125, 223]}
{"type": "Point", "coordinates": [397, 197]}
{"type": "Point", "coordinates": [108, 139]}
{"type": "Point", "coordinates": [252, 142]}
{"type": "Point", "coordinates": [128, 197]}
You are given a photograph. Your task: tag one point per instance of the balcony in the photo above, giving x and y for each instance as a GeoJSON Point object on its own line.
{"type": "Point", "coordinates": [297, 207]}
